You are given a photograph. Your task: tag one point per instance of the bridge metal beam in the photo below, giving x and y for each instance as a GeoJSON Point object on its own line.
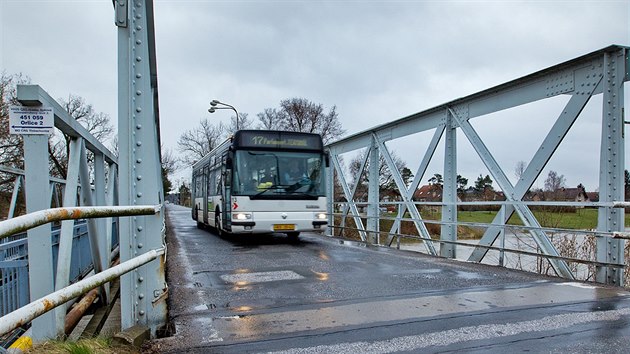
{"type": "Point", "coordinates": [34, 95]}
{"type": "Point", "coordinates": [407, 201]}
{"type": "Point", "coordinates": [612, 158]}
{"type": "Point", "coordinates": [143, 291]}
{"type": "Point", "coordinates": [556, 134]}
{"type": "Point", "coordinates": [603, 71]}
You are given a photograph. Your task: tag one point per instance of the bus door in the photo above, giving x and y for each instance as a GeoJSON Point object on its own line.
{"type": "Point", "coordinates": [226, 193]}
{"type": "Point", "coordinates": [204, 207]}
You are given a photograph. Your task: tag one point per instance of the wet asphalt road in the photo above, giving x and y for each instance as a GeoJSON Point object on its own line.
{"type": "Point", "coordinates": [322, 295]}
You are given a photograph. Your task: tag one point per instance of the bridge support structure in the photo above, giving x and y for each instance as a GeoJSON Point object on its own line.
{"type": "Point", "coordinates": [38, 191]}
{"type": "Point", "coordinates": [144, 290]}
{"type": "Point", "coordinates": [601, 72]}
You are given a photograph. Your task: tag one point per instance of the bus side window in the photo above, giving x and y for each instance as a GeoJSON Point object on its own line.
{"type": "Point", "coordinates": [211, 184]}
{"type": "Point", "coordinates": [218, 182]}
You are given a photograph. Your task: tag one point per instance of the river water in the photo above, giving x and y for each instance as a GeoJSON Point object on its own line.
{"type": "Point", "coordinates": [577, 246]}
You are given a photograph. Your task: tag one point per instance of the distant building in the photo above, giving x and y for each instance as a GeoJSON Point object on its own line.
{"type": "Point", "coordinates": [578, 194]}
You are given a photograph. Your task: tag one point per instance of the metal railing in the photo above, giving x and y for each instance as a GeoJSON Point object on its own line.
{"type": "Point", "coordinates": [575, 253]}
{"type": "Point", "coordinates": [36, 308]}
{"type": "Point", "coordinates": [17, 250]}
{"type": "Point", "coordinates": [603, 72]}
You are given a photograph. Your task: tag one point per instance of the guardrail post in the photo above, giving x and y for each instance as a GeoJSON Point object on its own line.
{"type": "Point", "coordinates": [448, 231]}
{"type": "Point", "coordinates": [40, 260]}
{"type": "Point", "coordinates": [373, 193]}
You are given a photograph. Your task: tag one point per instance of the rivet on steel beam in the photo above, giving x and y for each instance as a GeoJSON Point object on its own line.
{"type": "Point", "coordinates": [139, 126]}
{"type": "Point", "coordinates": [139, 28]}
{"type": "Point", "coordinates": [139, 177]}
{"type": "Point", "coordinates": [139, 16]}
{"type": "Point", "coordinates": [139, 161]}
{"type": "Point", "coordinates": [138, 58]}
{"type": "Point", "coordinates": [141, 296]}
{"type": "Point", "coordinates": [140, 279]}
{"type": "Point", "coordinates": [138, 92]}
{"type": "Point", "coordinates": [138, 75]}
{"type": "Point", "coordinates": [141, 313]}
{"type": "Point", "coordinates": [138, 41]}
{"type": "Point", "coordinates": [139, 143]}
{"type": "Point", "coordinates": [138, 109]}
{"type": "Point", "coordinates": [140, 245]}
{"type": "Point", "coordinates": [139, 194]}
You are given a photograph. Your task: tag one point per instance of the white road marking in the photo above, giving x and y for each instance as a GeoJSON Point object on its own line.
{"type": "Point", "coordinates": [443, 338]}
{"type": "Point", "coordinates": [261, 277]}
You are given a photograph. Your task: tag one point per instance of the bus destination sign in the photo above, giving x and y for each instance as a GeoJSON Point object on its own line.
{"type": "Point", "coordinates": [277, 140]}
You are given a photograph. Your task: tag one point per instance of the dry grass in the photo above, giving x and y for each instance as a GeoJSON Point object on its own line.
{"type": "Point", "coordinates": [82, 346]}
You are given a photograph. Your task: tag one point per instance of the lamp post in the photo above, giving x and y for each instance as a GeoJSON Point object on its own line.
{"type": "Point", "coordinates": [216, 103]}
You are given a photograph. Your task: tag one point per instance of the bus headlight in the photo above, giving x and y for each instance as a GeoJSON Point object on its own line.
{"type": "Point", "coordinates": [241, 216]}
{"type": "Point", "coordinates": [320, 216]}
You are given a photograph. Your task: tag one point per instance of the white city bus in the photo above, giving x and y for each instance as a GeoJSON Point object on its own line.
{"type": "Point", "coordinates": [261, 181]}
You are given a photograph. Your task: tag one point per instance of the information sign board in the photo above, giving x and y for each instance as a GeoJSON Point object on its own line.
{"type": "Point", "coordinates": [31, 120]}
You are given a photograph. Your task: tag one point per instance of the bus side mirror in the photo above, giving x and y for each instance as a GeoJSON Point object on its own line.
{"type": "Point", "coordinates": [327, 160]}
{"type": "Point", "coordinates": [228, 162]}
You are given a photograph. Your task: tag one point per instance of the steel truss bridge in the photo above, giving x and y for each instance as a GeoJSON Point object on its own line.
{"type": "Point", "coordinates": [128, 186]}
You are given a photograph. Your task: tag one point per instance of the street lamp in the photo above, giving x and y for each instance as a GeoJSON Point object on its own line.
{"type": "Point", "coordinates": [214, 107]}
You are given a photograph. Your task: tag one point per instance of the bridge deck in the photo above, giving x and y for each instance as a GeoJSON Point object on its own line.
{"type": "Point", "coordinates": [266, 294]}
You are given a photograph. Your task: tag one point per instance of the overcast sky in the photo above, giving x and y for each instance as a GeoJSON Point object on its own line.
{"type": "Point", "coordinates": [376, 61]}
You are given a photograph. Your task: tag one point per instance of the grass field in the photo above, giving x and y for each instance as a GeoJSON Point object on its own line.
{"type": "Point", "coordinates": [580, 219]}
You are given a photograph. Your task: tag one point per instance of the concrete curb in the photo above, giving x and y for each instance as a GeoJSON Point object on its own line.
{"type": "Point", "coordinates": [134, 336]}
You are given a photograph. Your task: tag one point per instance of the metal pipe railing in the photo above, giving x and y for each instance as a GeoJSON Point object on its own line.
{"type": "Point", "coordinates": [40, 306]}
{"type": "Point", "coordinates": [41, 217]}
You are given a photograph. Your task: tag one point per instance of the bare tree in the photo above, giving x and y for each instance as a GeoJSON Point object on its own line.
{"type": "Point", "coordinates": [98, 124]}
{"type": "Point", "coordinates": [302, 115]}
{"type": "Point", "coordinates": [11, 146]}
{"type": "Point", "coordinates": [554, 182]}
{"type": "Point", "coordinates": [169, 165]}
{"type": "Point", "coordinates": [269, 119]}
{"type": "Point", "coordinates": [385, 175]}
{"type": "Point", "coordinates": [169, 161]}
{"type": "Point", "coordinates": [199, 141]}
{"type": "Point", "coordinates": [243, 123]}
{"type": "Point", "coordinates": [520, 169]}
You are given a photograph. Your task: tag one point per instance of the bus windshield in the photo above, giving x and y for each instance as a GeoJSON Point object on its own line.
{"type": "Point", "coordinates": [278, 175]}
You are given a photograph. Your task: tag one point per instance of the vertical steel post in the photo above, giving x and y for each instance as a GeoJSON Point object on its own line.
{"type": "Point", "coordinates": [40, 261]}
{"type": "Point", "coordinates": [330, 192]}
{"type": "Point", "coordinates": [449, 190]}
{"type": "Point", "coordinates": [64, 253]}
{"type": "Point", "coordinates": [143, 290]}
{"type": "Point", "coordinates": [14, 196]}
{"type": "Point", "coordinates": [99, 200]}
{"type": "Point", "coordinates": [611, 175]}
{"type": "Point", "coordinates": [373, 193]}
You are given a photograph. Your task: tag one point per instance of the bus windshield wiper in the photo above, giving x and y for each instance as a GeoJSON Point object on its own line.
{"type": "Point", "coordinates": [267, 189]}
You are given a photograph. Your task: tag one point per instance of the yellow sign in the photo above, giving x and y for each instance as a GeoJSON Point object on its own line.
{"type": "Point", "coordinates": [283, 227]}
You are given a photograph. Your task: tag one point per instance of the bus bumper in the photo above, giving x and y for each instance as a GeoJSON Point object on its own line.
{"type": "Point", "coordinates": [279, 222]}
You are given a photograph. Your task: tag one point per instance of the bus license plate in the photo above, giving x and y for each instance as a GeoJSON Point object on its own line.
{"type": "Point", "coordinates": [283, 227]}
